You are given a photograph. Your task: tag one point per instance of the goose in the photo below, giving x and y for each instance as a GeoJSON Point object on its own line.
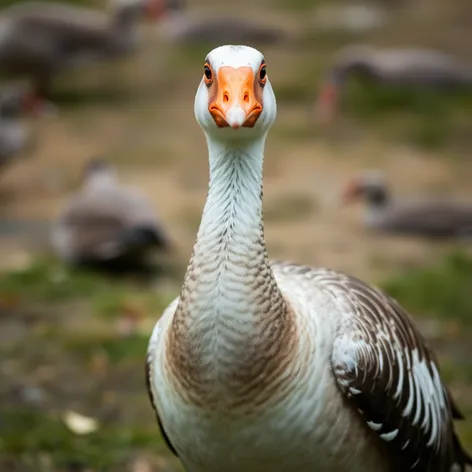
{"type": "Point", "coordinates": [39, 38]}
{"type": "Point", "coordinates": [106, 225]}
{"type": "Point", "coordinates": [414, 67]}
{"type": "Point", "coordinates": [16, 100]}
{"type": "Point", "coordinates": [181, 27]}
{"type": "Point", "coordinates": [429, 218]}
{"type": "Point", "coordinates": [272, 366]}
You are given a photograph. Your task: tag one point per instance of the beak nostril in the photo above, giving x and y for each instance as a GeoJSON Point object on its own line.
{"type": "Point", "coordinates": [225, 97]}
{"type": "Point", "coordinates": [246, 97]}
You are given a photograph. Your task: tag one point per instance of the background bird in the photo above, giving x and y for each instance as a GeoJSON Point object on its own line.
{"type": "Point", "coordinates": [107, 225]}
{"type": "Point", "coordinates": [16, 101]}
{"type": "Point", "coordinates": [431, 217]}
{"type": "Point", "coordinates": [411, 67]}
{"type": "Point", "coordinates": [39, 39]}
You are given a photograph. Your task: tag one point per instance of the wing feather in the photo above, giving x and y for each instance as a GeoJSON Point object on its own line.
{"type": "Point", "coordinates": [385, 368]}
{"type": "Point", "coordinates": [387, 372]}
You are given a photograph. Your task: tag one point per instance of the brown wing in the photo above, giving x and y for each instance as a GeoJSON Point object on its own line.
{"type": "Point", "coordinates": [384, 367]}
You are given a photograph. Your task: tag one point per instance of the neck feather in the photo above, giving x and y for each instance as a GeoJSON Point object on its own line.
{"type": "Point", "coordinates": [231, 309]}
{"type": "Point", "coordinates": [230, 244]}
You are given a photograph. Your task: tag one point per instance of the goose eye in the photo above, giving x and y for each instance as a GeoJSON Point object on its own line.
{"type": "Point", "coordinates": [208, 74]}
{"type": "Point", "coordinates": [263, 74]}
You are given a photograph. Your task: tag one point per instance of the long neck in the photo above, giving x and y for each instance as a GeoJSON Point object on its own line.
{"type": "Point", "coordinates": [232, 216]}
{"type": "Point", "coordinates": [230, 307]}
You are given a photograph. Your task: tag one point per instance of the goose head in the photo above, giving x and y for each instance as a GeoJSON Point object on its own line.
{"type": "Point", "coordinates": [235, 100]}
{"type": "Point", "coordinates": [19, 99]}
{"type": "Point", "coordinates": [355, 60]}
{"type": "Point", "coordinates": [370, 186]}
{"type": "Point", "coordinates": [98, 173]}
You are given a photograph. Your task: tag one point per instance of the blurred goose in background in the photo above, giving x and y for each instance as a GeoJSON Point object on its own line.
{"type": "Point", "coordinates": [181, 26]}
{"type": "Point", "coordinates": [38, 39]}
{"type": "Point", "coordinates": [106, 225]}
{"type": "Point", "coordinates": [432, 218]}
{"type": "Point", "coordinates": [15, 101]}
{"type": "Point", "coordinates": [409, 66]}
{"type": "Point", "coordinates": [272, 366]}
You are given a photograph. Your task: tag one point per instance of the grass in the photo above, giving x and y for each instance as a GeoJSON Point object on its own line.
{"type": "Point", "coordinates": [75, 354]}
{"type": "Point", "coordinates": [44, 438]}
{"type": "Point", "coordinates": [48, 281]}
{"type": "Point", "coordinates": [441, 291]}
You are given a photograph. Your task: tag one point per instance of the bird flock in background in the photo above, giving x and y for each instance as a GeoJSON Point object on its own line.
{"type": "Point", "coordinates": [105, 224]}
{"type": "Point", "coordinates": [256, 365]}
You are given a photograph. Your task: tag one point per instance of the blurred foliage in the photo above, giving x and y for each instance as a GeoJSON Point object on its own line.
{"type": "Point", "coordinates": [442, 290]}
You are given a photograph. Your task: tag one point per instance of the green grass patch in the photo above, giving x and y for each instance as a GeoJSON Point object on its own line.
{"type": "Point", "coordinates": [87, 346]}
{"type": "Point", "coordinates": [114, 302]}
{"type": "Point", "coordinates": [442, 290]}
{"type": "Point", "coordinates": [48, 280]}
{"type": "Point", "coordinates": [32, 435]}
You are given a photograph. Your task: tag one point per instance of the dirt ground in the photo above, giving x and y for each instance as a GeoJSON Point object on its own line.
{"type": "Point", "coordinates": [138, 113]}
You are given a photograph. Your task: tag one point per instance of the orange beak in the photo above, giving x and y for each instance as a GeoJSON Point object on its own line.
{"type": "Point", "coordinates": [326, 103]}
{"type": "Point", "coordinates": [154, 9]}
{"type": "Point", "coordinates": [351, 192]}
{"type": "Point", "coordinates": [235, 103]}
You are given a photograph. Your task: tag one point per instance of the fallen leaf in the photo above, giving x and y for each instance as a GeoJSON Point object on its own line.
{"type": "Point", "coordinates": [80, 424]}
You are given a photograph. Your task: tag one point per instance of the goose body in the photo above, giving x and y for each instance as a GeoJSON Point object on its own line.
{"type": "Point", "coordinates": [106, 225]}
{"type": "Point", "coordinates": [262, 365]}
{"type": "Point", "coordinates": [432, 218]}
{"type": "Point", "coordinates": [413, 67]}
{"type": "Point", "coordinates": [38, 38]}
